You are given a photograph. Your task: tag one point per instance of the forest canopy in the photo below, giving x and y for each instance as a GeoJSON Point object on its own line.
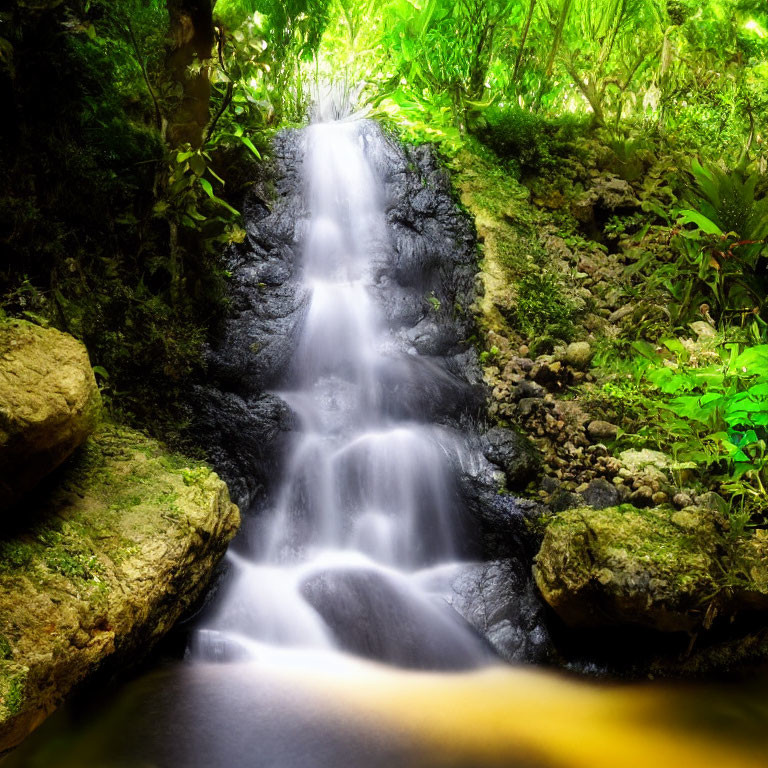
{"type": "Point", "coordinates": [136, 127]}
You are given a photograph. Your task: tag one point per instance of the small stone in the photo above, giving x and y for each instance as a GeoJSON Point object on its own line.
{"type": "Point", "coordinates": [682, 499]}
{"type": "Point", "coordinates": [578, 354]}
{"type": "Point", "coordinates": [702, 329]}
{"type": "Point", "coordinates": [514, 453]}
{"type": "Point", "coordinates": [621, 313]}
{"type": "Point", "coordinates": [600, 494]}
{"type": "Point", "coordinates": [527, 406]}
{"type": "Point", "coordinates": [660, 497]}
{"type": "Point", "coordinates": [643, 459]}
{"type": "Point", "coordinates": [711, 500]}
{"type": "Point", "coordinates": [602, 430]}
{"type": "Point", "coordinates": [549, 484]}
{"type": "Point", "coordinates": [642, 497]}
{"type": "Point", "coordinates": [529, 389]}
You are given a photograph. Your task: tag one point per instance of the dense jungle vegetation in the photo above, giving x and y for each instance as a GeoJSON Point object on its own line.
{"type": "Point", "coordinates": [134, 129]}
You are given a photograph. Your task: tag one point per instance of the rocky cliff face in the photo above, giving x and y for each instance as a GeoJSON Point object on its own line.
{"type": "Point", "coordinates": [424, 281]}
{"type": "Point", "coordinates": [106, 556]}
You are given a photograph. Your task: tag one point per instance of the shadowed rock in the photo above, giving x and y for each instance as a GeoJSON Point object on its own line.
{"type": "Point", "coordinates": [378, 617]}
{"type": "Point", "coordinates": [49, 403]}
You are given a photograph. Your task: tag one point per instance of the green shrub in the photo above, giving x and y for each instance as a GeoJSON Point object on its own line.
{"type": "Point", "coordinates": [543, 309]}
{"type": "Point", "coordinates": [528, 141]}
{"type": "Point", "coordinates": [721, 244]}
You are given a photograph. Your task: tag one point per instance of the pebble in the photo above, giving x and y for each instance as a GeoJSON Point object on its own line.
{"type": "Point", "coordinates": [578, 354]}
{"type": "Point", "coordinates": [602, 430]}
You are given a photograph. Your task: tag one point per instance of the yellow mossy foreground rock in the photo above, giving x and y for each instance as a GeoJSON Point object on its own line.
{"type": "Point", "coordinates": [112, 556]}
{"type": "Point", "coordinates": [671, 571]}
{"type": "Point", "coordinates": [49, 403]}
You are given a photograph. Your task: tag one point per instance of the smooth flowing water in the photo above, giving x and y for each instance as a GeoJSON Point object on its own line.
{"type": "Point", "coordinates": [367, 501]}
{"type": "Point", "coordinates": [352, 557]}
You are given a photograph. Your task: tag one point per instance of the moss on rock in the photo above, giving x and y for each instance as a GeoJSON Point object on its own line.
{"type": "Point", "coordinates": [669, 570]}
{"type": "Point", "coordinates": [120, 546]}
{"type": "Point", "coordinates": [625, 565]}
{"type": "Point", "coordinates": [49, 403]}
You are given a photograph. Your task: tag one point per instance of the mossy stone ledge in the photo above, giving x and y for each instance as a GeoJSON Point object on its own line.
{"type": "Point", "coordinates": [121, 541]}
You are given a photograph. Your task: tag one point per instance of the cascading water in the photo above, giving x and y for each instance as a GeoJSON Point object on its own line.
{"type": "Point", "coordinates": [367, 501]}
{"type": "Point", "coordinates": [361, 538]}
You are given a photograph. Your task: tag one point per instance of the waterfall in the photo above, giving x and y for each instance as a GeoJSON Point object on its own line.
{"type": "Point", "coordinates": [367, 500]}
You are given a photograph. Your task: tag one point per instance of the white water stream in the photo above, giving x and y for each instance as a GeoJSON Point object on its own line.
{"type": "Point", "coordinates": [366, 503]}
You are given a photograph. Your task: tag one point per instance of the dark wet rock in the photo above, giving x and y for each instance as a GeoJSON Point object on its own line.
{"type": "Point", "coordinates": [514, 453]}
{"type": "Point", "coordinates": [498, 524]}
{"type": "Point", "coordinates": [500, 602]}
{"type": "Point", "coordinates": [601, 494]}
{"type": "Point", "coordinates": [239, 426]}
{"type": "Point", "coordinates": [425, 388]}
{"type": "Point", "coordinates": [379, 617]}
{"type": "Point", "coordinates": [243, 437]}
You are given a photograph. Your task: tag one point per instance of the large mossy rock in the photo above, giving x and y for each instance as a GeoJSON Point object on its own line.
{"type": "Point", "coordinates": [49, 403]}
{"type": "Point", "coordinates": [666, 570]}
{"type": "Point", "coordinates": [112, 556]}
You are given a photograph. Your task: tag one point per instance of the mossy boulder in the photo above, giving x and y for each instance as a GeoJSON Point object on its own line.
{"type": "Point", "coordinates": [114, 554]}
{"type": "Point", "coordinates": [671, 571]}
{"type": "Point", "coordinates": [49, 403]}
{"type": "Point", "coordinates": [623, 565]}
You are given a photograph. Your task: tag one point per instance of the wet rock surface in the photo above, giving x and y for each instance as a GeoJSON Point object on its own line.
{"type": "Point", "coordinates": [424, 282]}
{"type": "Point", "coordinates": [372, 616]}
{"type": "Point", "coordinates": [498, 599]}
{"type": "Point", "coordinates": [514, 454]}
{"type": "Point", "coordinates": [49, 403]}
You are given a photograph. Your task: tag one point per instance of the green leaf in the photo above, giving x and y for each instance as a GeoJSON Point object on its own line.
{"type": "Point", "coordinates": [197, 164]}
{"type": "Point", "coordinates": [675, 346]}
{"type": "Point", "coordinates": [688, 216]}
{"type": "Point", "coordinates": [206, 185]}
{"type": "Point", "coordinates": [248, 143]}
{"type": "Point", "coordinates": [216, 175]}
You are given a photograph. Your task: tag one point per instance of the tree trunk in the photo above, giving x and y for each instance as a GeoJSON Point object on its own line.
{"type": "Point", "coordinates": [523, 38]}
{"type": "Point", "coordinates": [192, 39]}
{"type": "Point", "coordinates": [564, 11]}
